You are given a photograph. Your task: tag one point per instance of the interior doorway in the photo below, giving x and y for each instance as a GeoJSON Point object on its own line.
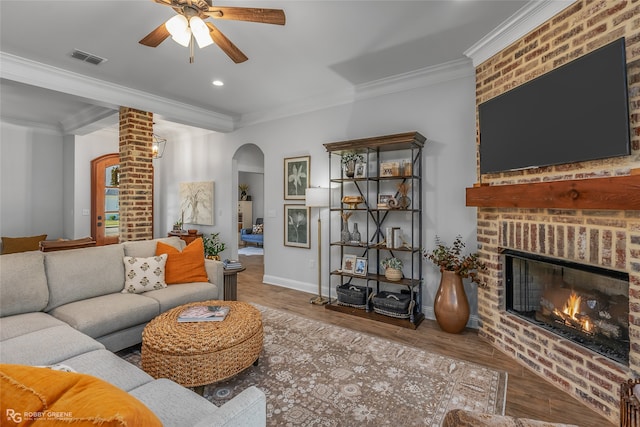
{"type": "Point", "coordinates": [249, 161]}
{"type": "Point", "coordinates": [105, 199]}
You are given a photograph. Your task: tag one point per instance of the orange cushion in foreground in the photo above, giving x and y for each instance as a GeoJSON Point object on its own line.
{"type": "Point", "coordinates": [186, 266]}
{"type": "Point", "coordinates": [57, 398]}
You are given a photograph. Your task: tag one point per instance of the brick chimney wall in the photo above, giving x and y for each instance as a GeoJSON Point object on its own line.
{"type": "Point", "coordinates": [136, 174]}
{"type": "Point", "coordinates": [608, 238]}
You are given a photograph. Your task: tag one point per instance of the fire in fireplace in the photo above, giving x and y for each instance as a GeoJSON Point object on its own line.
{"type": "Point", "coordinates": [585, 304]}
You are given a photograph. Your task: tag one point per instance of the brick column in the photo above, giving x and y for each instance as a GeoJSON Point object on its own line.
{"type": "Point", "coordinates": [136, 174]}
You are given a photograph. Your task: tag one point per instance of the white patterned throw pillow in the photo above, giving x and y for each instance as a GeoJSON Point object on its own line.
{"type": "Point", "coordinates": [144, 274]}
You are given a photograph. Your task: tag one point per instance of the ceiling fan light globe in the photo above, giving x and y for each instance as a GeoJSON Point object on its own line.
{"type": "Point", "coordinates": [200, 31]}
{"type": "Point", "coordinates": [177, 25]}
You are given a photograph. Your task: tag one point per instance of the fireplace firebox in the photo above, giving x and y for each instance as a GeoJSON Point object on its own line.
{"type": "Point", "coordinates": [585, 304]}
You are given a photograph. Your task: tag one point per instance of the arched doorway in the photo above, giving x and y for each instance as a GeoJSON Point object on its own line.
{"type": "Point", "coordinates": [249, 173]}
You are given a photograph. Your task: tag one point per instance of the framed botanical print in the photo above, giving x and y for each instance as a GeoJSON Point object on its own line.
{"type": "Point", "coordinates": [296, 226]}
{"type": "Point", "coordinates": [296, 177]}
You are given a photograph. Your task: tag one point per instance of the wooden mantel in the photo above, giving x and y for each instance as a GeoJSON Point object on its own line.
{"type": "Point", "coordinates": [616, 193]}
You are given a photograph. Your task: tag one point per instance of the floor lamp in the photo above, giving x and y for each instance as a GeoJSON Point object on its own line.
{"type": "Point", "coordinates": [318, 197]}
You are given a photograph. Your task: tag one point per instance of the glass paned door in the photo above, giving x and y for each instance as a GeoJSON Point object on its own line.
{"type": "Point", "coordinates": [105, 195]}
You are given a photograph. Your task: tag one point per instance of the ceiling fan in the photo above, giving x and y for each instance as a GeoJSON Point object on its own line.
{"type": "Point", "coordinates": [189, 27]}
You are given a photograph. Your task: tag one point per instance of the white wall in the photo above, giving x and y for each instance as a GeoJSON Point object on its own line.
{"type": "Point", "coordinates": [444, 113]}
{"type": "Point", "coordinates": [31, 182]}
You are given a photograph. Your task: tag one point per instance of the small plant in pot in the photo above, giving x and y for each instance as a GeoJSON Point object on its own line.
{"type": "Point", "coordinates": [451, 306]}
{"type": "Point", "coordinates": [213, 246]}
{"type": "Point", "coordinates": [349, 160]}
{"type": "Point", "coordinates": [392, 268]}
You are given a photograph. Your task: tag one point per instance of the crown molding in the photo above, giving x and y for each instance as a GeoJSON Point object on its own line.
{"type": "Point", "coordinates": [420, 78]}
{"type": "Point", "coordinates": [12, 121]}
{"type": "Point", "coordinates": [109, 95]}
{"type": "Point", "coordinates": [519, 24]}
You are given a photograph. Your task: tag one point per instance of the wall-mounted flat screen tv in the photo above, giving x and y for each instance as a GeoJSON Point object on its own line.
{"type": "Point", "coordinates": [577, 112]}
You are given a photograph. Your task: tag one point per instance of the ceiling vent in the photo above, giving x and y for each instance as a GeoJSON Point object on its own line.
{"type": "Point", "coordinates": [87, 57]}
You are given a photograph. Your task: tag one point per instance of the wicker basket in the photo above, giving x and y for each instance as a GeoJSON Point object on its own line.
{"type": "Point", "coordinates": [353, 296]}
{"type": "Point", "coordinates": [393, 304]}
{"type": "Point", "coordinates": [629, 404]}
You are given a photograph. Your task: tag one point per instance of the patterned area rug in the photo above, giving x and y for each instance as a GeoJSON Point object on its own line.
{"type": "Point", "coordinates": [316, 374]}
{"type": "Point", "coordinates": [251, 250]}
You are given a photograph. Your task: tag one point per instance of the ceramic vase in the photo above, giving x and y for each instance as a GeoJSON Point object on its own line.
{"type": "Point", "coordinates": [393, 274]}
{"type": "Point", "coordinates": [451, 306]}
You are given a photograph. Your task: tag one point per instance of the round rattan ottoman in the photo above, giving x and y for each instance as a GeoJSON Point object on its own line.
{"type": "Point", "coordinates": [198, 353]}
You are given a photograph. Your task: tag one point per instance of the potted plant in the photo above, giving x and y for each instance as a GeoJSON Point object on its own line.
{"type": "Point", "coordinates": [213, 246]}
{"type": "Point", "coordinates": [349, 159]}
{"type": "Point", "coordinates": [451, 306]}
{"type": "Point", "coordinates": [392, 268]}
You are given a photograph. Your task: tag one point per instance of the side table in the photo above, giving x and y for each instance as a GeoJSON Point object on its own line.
{"type": "Point", "coordinates": [231, 283]}
{"type": "Point", "coordinates": [186, 236]}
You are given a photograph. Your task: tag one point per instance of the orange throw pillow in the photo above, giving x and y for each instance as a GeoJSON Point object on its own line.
{"type": "Point", "coordinates": [186, 266]}
{"type": "Point", "coordinates": [57, 398]}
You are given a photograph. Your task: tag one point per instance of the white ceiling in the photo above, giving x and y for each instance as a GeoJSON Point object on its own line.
{"type": "Point", "coordinates": [325, 48]}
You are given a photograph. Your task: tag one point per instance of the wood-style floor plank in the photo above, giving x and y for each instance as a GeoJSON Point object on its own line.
{"type": "Point", "coordinates": [528, 395]}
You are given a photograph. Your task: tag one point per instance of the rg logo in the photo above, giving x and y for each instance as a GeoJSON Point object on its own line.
{"type": "Point", "coordinates": [14, 416]}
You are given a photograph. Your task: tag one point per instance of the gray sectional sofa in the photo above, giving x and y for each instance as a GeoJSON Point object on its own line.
{"type": "Point", "coordinates": [67, 308]}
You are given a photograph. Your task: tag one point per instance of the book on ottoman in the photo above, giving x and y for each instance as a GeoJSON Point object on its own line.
{"type": "Point", "coordinates": [204, 313]}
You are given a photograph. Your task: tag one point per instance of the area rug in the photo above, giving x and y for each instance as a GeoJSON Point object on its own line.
{"type": "Point", "coordinates": [317, 374]}
{"type": "Point", "coordinates": [251, 250]}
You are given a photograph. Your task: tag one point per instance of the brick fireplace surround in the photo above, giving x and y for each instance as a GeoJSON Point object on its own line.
{"type": "Point", "coordinates": [586, 212]}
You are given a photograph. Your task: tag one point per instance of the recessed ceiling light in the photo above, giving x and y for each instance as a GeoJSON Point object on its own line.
{"type": "Point", "coordinates": [218, 83]}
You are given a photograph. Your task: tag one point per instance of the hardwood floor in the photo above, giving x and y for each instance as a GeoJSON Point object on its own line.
{"type": "Point", "coordinates": [528, 395]}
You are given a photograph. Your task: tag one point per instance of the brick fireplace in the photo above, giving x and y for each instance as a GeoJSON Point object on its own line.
{"type": "Point", "coordinates": [587, 213]}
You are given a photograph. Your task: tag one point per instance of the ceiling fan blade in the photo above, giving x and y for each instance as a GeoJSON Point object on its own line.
{"type": "Point", "coordinates": [265, 16]}
{"type": "Point", "coordinates": [155, 37]}
{"type": "Point", "coordinates": [225, 44]}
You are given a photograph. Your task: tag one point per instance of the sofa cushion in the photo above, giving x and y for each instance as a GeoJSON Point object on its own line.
{"type": "Point", "coordinates": [107, 313]}
{"type": "Point", "coordinates": [13, 245]}
{"type": "Point", "coordinates": [23, 283]}
{"type": "Point", "coordinates": [109, 367]}
{"type": "Point", "coordinates": [173, 296]}
{"type": "Point", "coordinates": [147, 248]}
{"type": "Point", "coordinates": [186, 266]}
{"type": "Point", "coordinates": [258, 229]}
{"type": "Point", "coordinates": [69, 398]}
{"type": "Point", "coordinates": [79, 274]}
{"type": "Point", "coordinates": [144, 274]}
{"type": "Point", "coordinates": [184, 408]}
{"type": "Point", "coordinates": [20, 324]}
{"type": "Point", "coordinates": [47, 346]}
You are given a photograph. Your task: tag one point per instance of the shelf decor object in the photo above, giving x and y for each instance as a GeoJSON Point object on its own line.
{"type": "Point", "coordinates": [318, 197]}
{"type": "Point", "coordinates": [385, 195]}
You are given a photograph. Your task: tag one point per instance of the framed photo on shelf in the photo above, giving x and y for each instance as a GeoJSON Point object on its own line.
{"type": "Point", "coordinates": [389, 169]}
{"type": "Point", "coordinates": [360, 268]}
{"type": "Point", "coordinates": [296, 177]}
{"type": "Point", "coordinates": [361, 170]}
{"type": "Point", "coordinates": [296, 226]}
{"type": "Point", "coordinates": [348, 263]}
{"type": "Point", "coordinates": [383, 200]}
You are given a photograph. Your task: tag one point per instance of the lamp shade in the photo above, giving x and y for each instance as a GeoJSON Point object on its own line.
{"type": "Point", "coordinates": [317, 197]}
{"type": "Point", "coordinates": [178, 27]}
{"type": "Point", "coordinates": [200, 31]}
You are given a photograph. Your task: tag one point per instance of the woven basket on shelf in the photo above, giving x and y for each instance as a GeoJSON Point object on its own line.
{"type": "Point", "coordinates": [393, 304]}
{"type": "Point", "coordinates": [353, 296]}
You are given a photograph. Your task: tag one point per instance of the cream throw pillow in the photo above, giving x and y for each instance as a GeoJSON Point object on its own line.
{"type": "Point", "coordinates": [144, 274]}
